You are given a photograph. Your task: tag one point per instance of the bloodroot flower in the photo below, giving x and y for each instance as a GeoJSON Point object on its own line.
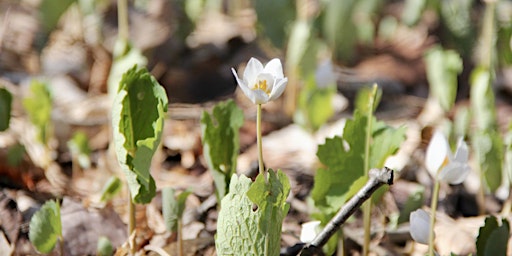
{"type": "Point", "coordinates": [262, 84]}
{"type": "Point", "coordinates": [442, 164]}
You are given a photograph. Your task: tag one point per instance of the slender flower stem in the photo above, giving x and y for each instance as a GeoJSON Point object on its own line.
{"type": "Point", "coordinates": [122, 19]}
{"type": "Point", "coordinates": [433, 209]}
{"type": "Point", "coordinates": [367, 206]}
{"type": "Point", "coordinates": [258, 140]}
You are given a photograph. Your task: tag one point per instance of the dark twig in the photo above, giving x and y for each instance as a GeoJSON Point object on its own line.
{"type": "Point", "coordinates": [377, 179]}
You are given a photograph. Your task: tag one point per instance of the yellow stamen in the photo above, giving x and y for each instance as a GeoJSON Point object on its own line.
{"type": "Point", "coordinates": [262, 85]}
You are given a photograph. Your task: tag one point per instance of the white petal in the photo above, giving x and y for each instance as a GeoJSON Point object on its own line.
{"type": "Point", "coordinates": [462, 152]}
{"type": "Point", "coordinates": [309, 231]}
{"type": "Point", "coordinates": [454, 173]}
{"type": "Point", "coordinates": [267, 77]}
{"type": "Point", "coordinates": [275, 68]}
{"type": "Point", "coordinates": [419, 226]}
{"type": "Point", "coordinates": [253, 68]}
{"type": "Point", "coordinates": [238, 80]}
{"type": "Point", "coordinates": [278, 88]}
{"type": "Point", "coordinates": [259, 97]}
{"type": "Point", "coordinates": [437, 151]}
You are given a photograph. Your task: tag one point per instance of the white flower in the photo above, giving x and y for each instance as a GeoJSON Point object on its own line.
{"type": "Point", "coordinates": [442, 164]}
{"type": "Point", "coordinates": [419, 226]}
{"type": "Point", "coordinates": [324, 74]}
{"type": "Point", "coordinates": [309, 231]}
{"type": "Point", "coordinates": [262, 84]}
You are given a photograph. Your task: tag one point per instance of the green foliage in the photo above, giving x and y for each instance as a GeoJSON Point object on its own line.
{"type": "Point", "coordinates": [46, 227]}
{"type": "Point", "coordinates": [414, 202]}
{"type": "Point", "coordinates": [125, 56]}
{"type": "Point", "coordinates": [456, 18]}
{"type": "Point", "coordinates": [489, 154]}
{"type": "Point", "coordinates": [173, 207]}
{"type": "Point", "coordinates": [221, 142]}
{"type": "Point", "coordinates": [336, 24]}
{"type": "Point", "coordinates": [412, 11]}
{"type": "Point", "coordinates": [443, 66]}
{"type": "Point", "coordinates": [244, 230]}
{"type": "Point", "coordinates": [493, 238]}
{"type": "Point", "coordinates": [39, 107]}
{"type": "Point", "coordinates": [79, 147]}
{"type": "Point", "coordinates": [50, 12]}
{"type": "Point", "coordinates": [274, 18]}
{"type": "Point", "coordinates": [344, 157]}
{"type": "Point", "coordinates": [137, 119]}
{"type": "Point", "coordinates": [104, 247]}
{"type": "Point", "coordinates": [5, 109]}
{"type": "Point", "coordinates": [487, 140]}
{"type": "Point", "coordinates": [482, 99]}
{"type": "Point", "coordinates": [111, 188]}
{"type": "Point", "coordinates": [315, 104]}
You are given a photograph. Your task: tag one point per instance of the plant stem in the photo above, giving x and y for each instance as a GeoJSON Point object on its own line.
{"type": "Point", "coordinates": [131, 221]}
{"type": "Point", "coordinates": [377, 178]}
{"type": "Point", "coordinates": [122, 19]}
{"type": "Point", "coordinates": [367, 207]}
{"type": "Point", "coordinates": [258, 140]}
{"type": "Point", "coordinates": [180, 238]}
{"type": "Point", "coordinates": [433, 209]}
{"type": "Point", "coordinates": [61, 245]}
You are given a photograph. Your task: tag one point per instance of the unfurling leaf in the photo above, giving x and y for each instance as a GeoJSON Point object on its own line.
{"type": "Point", "coordinates": [173, 207]}
{"type": "Point", "coordinates": [111, 188]}
{"type": "Point", "coordinates": [137, 120]}
{"type": "Point", "coordinates": [221, 142]}
{"type": "Point", "coordinates": [251, 212]}
{"type": "Point", "coordinates": [45, 227]}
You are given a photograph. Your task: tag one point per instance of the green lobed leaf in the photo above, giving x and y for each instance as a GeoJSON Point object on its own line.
{"type": "Point", "coordinates": [220, 137]}
{"type": "Point", "coordinates": [492, 238]}
{"type": "Point", "coordinates": [50, 12]}
{"type": "Point", "coordinates": [137, 119]}
{"type": "Point", "coordinates": [111, 188]}
{"type": "Point", "coordinates": [489, 154]}
{"type": "Point", "coordinates": [443, 66]}
{"type": "Point", "coordinates": [39, 106]}
{"type": "Point", "coordinates": [343, 157]}
{"type": "Point", "coordinates": [241, 228]}
{"type": "Point", "coordinates": [414, 202]}
{"type": "Point", "coordinates": [173, 207]}
{"type": "Point", "coordinates": [45, 227]}
{"type": "Point", "coordinates": [5, 109]}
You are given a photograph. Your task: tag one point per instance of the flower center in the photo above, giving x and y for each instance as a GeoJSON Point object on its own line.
{"type": "Point", "coordinates": [262, 85]}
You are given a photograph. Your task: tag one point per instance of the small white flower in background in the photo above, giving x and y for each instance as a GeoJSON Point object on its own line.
{"type": "Point", "coordinates": [262, 84]}
{"type": "Point", "coordinates": [419, 226]}
{"type": "Point", "coordinates": [309, 231]}
{"type": "Point", "coordinates": [442, 164]}
{"type": "Point", "coordinates": [324, 74]}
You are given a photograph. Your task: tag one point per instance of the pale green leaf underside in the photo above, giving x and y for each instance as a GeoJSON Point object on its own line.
{"type": "Point", "coordinates": [45, 227]}
{"type": "Point", "coordinates": [240, 229]}
{"type": "Point", "coordinates": [137, 120]}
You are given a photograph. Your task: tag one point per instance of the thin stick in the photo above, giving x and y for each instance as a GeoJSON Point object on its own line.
{"type": "Point", "coordinates": [377, 178]}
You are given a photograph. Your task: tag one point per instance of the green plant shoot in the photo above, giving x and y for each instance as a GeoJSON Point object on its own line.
{"type": "Point", "coordinates": [221, 142]}
{"type": "Point", "coordinates": [172, 207]}
{"type": "Point", "coordinates": [46, 227]}
{"type": "Point", "coordinates": [111, 188]}
{"type": "Point", "coordinates": [39, 107]}
{"type": "Point", "coordinates": [137, 120]}
{"type": "Point", "coordinates": [80, 151]}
